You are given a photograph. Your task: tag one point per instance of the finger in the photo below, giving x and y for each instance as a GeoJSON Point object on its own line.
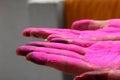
{"type": "Point", "coordinates": [55, 36]}
{"type": "Point", "coordinates": [114, 23]}
{"type": "Point", "coordinates": [62, 35]}
{"type": "Point", "coordinates": [99, 35]}
{"type": "Point", "coordinates": [24, 50]}
{"type": "Point", "coordinates": [66, 64]}
{"type": "Point", "coordinates": [76, 32]}
{"type": "Point", "coordinates": [39, 32]}
{"type": "Point", "coordinates": [44, 32]}
{"type": "Point", "coordinates": [89, 24]}
{"type": "Point", "coordinates": [76, 41]}
{"type": "Point", "coordinates": [81, 24]}
{"type": "Point", "coordinates": [63, 30]}
{"type": "Point", "coordinates": [102, 36]}
{"type": "Point", "coordinates": [70, 47]}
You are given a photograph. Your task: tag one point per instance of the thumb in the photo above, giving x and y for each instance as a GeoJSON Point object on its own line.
{"type": "Point", "coordinates": [99, 75]}
{"type": "Point", "coordinates": [81, 24]}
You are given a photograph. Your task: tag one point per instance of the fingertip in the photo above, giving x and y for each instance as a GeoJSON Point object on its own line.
{"type": "Point", "coordinates": [18, 51]}
{"type": "Point", "coordinates": [22, 51]}
{"type": "Point", "coordinates": [36, 57]}
{"type": "Point", "coordinates": [29, 57]}
{"type": "Point", "coordinates": [26, 32]}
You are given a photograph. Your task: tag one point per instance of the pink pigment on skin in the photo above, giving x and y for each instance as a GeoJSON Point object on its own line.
{"type": "Point", "coordinates": [78, 42]}
{"type": "Point", "coordinates": [70, 47]}
{"type": "Point", "coordinates": [66, 36]}
{"type": "Point", "coordinates": [24, 50]}
{"type": "Point", "coordinates": [104, 54]}
{"type": "Point", "coordinates": [66, 64]}
{"type": "Point", "coordinates": [27, 31]}
{"type": "Point", "coordinates": [37, 32]}
{"type": "Point", "coordinates": [45, 32]}
{"type": "Point", "coordinates": [82, 24]}
{"type": "Point", "coordinates": [98, 35]}
{"type": "Point", "coordinates": [36, 59]}
{"type": "Point", "coordinates": [114, 23]}
{"type": "Point", "coordinates": [83, 43]}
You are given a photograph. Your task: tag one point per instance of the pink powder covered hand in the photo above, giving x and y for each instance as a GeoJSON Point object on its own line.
{"type": "Point", "coordinates": [84, 55]}
{"type": "Point", "coordinates": [82, 32]}
{"type": "Point", "coordinates": [101, 60]}
{"type": "Point", "coordinates": [59, 35]}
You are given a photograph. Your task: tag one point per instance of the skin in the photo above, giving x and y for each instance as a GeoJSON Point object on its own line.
{"type": "Point", "coordinates": [75, 62]}
{"type": "Point", "coordinates": [90, 57]}
{"type": "Point", "coordinates": [76, 35]}
{"type": "Point", "coordinates": [89, 24]}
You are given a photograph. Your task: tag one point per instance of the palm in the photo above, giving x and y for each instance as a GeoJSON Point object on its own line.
{"type": "Point", "coordinates": [104, 54]}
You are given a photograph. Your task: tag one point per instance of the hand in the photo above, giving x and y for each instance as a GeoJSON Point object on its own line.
{"type": "Point", "coordinates": [107, 30]}
{"type": "Point", "coordinates": [58, 35]}
{"type": "Point", "coordinates": [33, 51]}
{"type": "Point", "coordinates": [81, 38]}
{"type": "Point", "coordinates": [98, 62]}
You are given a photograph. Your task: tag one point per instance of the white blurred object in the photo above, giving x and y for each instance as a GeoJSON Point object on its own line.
{"type": "Point", "coordinates": [44, 1]}
{"type": "Point", "coordinates": [46, 13]}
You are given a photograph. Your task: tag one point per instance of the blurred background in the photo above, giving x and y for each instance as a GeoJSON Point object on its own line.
{"type": "Point", "coordinates": [15, 16]}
